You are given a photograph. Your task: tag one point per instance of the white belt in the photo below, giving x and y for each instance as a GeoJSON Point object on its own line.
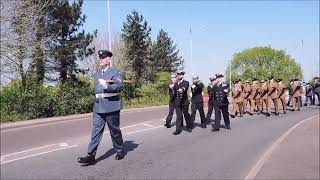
{"type": "Point", "coordinates": [103, 95]}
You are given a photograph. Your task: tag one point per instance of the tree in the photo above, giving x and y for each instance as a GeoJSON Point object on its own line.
{"type": "Point", "coordinates": [91, 63]}
{"type": "Point", "coordinates": [261, 62]}
{"type": "Point", "coordinates": [69, 45]}
{"type": "Point", "coordinates": [165, 55]}
{"type": "Point", "coordinates": [22, 42]}
{"type": "Point", "coordinates": [137, 42]}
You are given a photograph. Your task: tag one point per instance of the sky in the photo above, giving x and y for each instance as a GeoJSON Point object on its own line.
{"type": "Point", "coordinates": [220, 29]}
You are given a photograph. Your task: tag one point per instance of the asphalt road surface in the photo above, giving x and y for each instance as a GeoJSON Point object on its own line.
{"type": "Point", "coordinates": [50, 151]}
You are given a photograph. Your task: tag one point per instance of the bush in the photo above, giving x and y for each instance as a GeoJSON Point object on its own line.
{"type": "Point", "coordinates": [71, 98]}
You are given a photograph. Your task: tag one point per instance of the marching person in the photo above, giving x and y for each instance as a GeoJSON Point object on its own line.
{"type": "Point", "coordinates": [181, 103]}
{"type": "Point", "coordinates": [264, 96]}
{"type": "Point", "coordinates": [308, 94]}
{"type": "Point", "coordinates": [237, 99]}
{"type": "Point", "coordinates": [171, 105]}
{"type": "Point", "coordinates": [106, 108]}
{"type": "Point", "coordinates": [281, 95]}
{"type": "Point", "coordinates": [255, 96]}
{"type": "Point", "coordinates": [197, 101]}
{"type": "Point", "coordinates": [296, 94]}
{"type": "Point", "coordinates": [221, 103]}
{"type": "Point", "coordinates": [246, 97]}
{"type": "Point", "coordinates": [211, 98]}
{"type": "Point", "coordinates": [272, 95]}
{"type": "Point", "coordinates": [290, 92]}
{"type": "Point", "coordinates": [316, 91]}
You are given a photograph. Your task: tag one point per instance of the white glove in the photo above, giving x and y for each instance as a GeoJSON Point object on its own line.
{"type": "Point", "coordinates": [103, 83]}
{"type": "Point", "coordinates": [193, 86]}
{"type": "Point", "coordinates": [180, 90]}
{"type": "Point", "coordinates": [226, 90]}
{"type": "Point", "coordinates": [171, 86]}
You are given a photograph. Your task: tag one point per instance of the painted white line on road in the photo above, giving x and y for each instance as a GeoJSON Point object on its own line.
{"type": "Point", "coordinates": [257, 167]}
{"type": "Point", "coordinates": [149, 125]}
{"type": "Point", "coordinates": [143, 130]}
{"type": "Point", "coordinates": [131, 126]}
{"type": "Point", "coordinates": [12, 160]}
{"type": "Point", "coordinates": [27, 150]}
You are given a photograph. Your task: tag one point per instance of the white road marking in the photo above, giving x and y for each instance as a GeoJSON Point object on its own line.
{"type": "Point", "coordinates": [143, 130]}
{"type": "Point", "coordinates": [257, 167]}
{"type": "Point", "coordinates": [12, 160]}
{"type": "Point", "coordinates": [130, 126]}
{"type": "Point", "coordinates": [27, 150]}
{"type": "Point", "coordinates": [149, 125]}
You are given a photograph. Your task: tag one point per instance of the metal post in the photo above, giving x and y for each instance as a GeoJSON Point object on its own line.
{"type": "Point", "coordinates": [109, 26]}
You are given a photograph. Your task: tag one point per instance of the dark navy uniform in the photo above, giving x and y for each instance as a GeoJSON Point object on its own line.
{"type": "Point", "coordinates": [197, 103]}
{"type": "Point", "coordinates": [210, 101]}
{"type": "Point", "coordinates": [221, 104]}
{"type": "Point", "coordinates": [106, 110]}
{"type": "Point", "coordinates": [171, 108]}
{"type": "Point", "coordinates": [181, 104]}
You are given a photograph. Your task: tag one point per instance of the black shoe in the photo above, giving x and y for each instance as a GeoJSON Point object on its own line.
{"type": "Point", "coordinates": [236, 113]}
{"type": "Point", "coordinates": [318, 105]}
{"type": "Point", "coordinates": [214, 129]}
{"type": "Point", "coordinates": [298, 110]}
{"type": "Point", "coordinates": [277, 114]}
{"type": "Point", "coordinates": [167, 125]}
{"type": "Point", "coordinates": [232, 116]}
{"type": "Point", "coordinates": [293, 110]}
{"type": "Point", "coordinates": [176, 132]}
{"type": "Point", "coordinates": [284, 113]}
{"type": "Point", "coordinates": [189, 129]}
{"type": "Point", "coordinates": [119, 156]}
{"type": "Point", "coordinates": [203, 126]}
{"type": "Point", "coordinates": [305, 105]}
{"type": "Point", "coordinates": [267, 114]}
{"type": "Point", "coordinates": [250, 114]}
{"type": "Point", "coordinates": [228, 127]}
{"type": "Point", "coordinates": [89, 159]}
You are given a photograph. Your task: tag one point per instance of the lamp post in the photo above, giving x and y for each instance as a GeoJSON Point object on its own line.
{"type": "Point", "coordinates": [109, 26]}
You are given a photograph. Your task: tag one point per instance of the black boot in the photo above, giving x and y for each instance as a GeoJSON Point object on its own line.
{"type": "Point", "coordinates": [119, 156]}
{"type": "Point", "coordinates": [88, 160]}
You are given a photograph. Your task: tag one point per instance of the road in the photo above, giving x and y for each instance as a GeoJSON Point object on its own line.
{"type": "Point", "coordinates": [50, 151]}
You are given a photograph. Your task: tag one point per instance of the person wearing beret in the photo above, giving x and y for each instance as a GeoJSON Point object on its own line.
{"type": "Point", "coordinates": [197, 101]}
{"type": "Point", "coordinates": [237, 99]}
{"type": "Point", "coordinates": [221, 103]}
{"type": "Point", "coordinates": [264, 96]}
{"type": "Point", "coordinates": [255, 96]}
{"type": "Point", "coordinates": [272, 95]}
{"type": "Point", "coordinates": [171, 105]}
{"type": "Point", "coordinates": [106, 108]}
{"type": "Point", "coordinates": [281, 95]}
{"type": "Point", "coordinates": [211, 99]}
{"type": "Point", "coordinates": [296, 88]}
{"type": "Point", "coordinates": [246, 93]}
{"type": "Point", "coordinates": [181, 103]}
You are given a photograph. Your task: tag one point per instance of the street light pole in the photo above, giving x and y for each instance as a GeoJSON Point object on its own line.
{"type": "Point", "coordinates": [109, 26]}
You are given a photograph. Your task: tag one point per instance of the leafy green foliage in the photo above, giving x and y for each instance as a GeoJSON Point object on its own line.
{"type": "Point", "coordinates": [261, 62]}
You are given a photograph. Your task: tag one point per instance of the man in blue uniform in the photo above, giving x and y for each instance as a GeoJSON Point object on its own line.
{"type": "Point", "coordinates": [106, 108]}
{"type": "Point", "coordinates": [221, 103]}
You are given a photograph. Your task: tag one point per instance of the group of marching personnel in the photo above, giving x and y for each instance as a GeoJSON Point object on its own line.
{"type": "Point", "coordinates": [256, 96]}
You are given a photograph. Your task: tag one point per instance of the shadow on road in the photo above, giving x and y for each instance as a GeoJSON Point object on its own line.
{"type": "Point", "coordinates": [128, 146]}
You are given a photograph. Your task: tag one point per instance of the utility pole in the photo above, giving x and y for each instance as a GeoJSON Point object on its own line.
{"type": "Point", "coordinates": [109, 26]}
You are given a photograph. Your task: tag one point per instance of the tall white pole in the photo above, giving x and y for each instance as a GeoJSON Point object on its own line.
{"type": "Point", "coordinates": [230, 75]}
{"type": "Point", "coordinates": [190, 51]}
{"type": "Point", "coordinates": [109, 26]}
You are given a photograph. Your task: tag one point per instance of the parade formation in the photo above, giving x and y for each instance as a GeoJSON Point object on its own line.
{"type": "Point", "coordinates": [248, 98]}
